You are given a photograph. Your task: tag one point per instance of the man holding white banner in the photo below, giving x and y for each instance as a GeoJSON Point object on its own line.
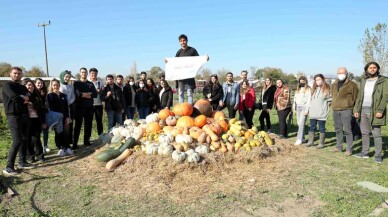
{"type": "Point", "coordinates": [183, 70]}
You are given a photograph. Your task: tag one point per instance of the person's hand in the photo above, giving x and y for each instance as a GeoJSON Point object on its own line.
{"type": "Point", "coordinates": [67, 121]}
{"type": "Point", "coordinates": [86, 95]}
{"type": "Point", "coordinates": [235, 107]}
{"type": "Point", "coordinates": [268, 110]}
{"type": "Point", "coordinates": [356, 115]}
{"type": "Point", "coordinates": [44, 126]}
{"type": "Point", "coordinates": [109, 93]}
{"type": "Point", "coordinates": [165, 60]}
{"type": "Point", "coordinates": [210, 99]}
{"type": "Point", "coordinates": [249, 109]}
{"type": "Point", "coordinates": [221, 103]}
{"type": "Point", "coordinates": [379, 115]}
{"type": "Point", "coordinates": [207, 57]}
{"type": "Point", "coordinates": [122, 111]}
{"type": "Point", "coordinates": [306, 113]}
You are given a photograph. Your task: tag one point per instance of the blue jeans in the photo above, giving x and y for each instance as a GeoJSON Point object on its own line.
{"type": "Point", "coordinates": [143, 112]}
{"type": "Point", "coordinates": [181, 94]}
{"type": "Point", "coordinates": [130, 112]}
{"type": "Point", "coordinates": [114, 118]}
{"type": "Point", "coordinates": [301, 119]}
{"type": "Point", "coordinates": [321, 124]}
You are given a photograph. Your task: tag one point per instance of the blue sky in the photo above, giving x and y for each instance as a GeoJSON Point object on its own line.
{"type": "Point", "coordinates": [307, 36]}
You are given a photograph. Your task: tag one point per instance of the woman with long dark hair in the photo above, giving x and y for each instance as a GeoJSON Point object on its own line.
{"type": "Point", "coordinates": [213, 91]}
{"type": "Point", "coordinates": [165, 95]}
{"type": "Point", "coordinates": [266, 103]}
{"type": "Point", "coordinates": [246, 105]}
{"type": "Point", "coordinates": [36, 109]}
{"type": "Point", "coordinates": [41, 88]}
{"type": "Point", "coordinates": [301, 107]}
{"type": "Point", "coordinates": [371, 109]}
{"type": "Point", "coordinates": [129, 92]}
{"type": "Point", "coordinates": [319, 109]}
{"type": "Point", "coordinates": [143, 97]}
{"type": "Point", "coordinates": [154, 100]}
{"type": "Point", "coordinates": [283, 106]}
{"type": "Point", "coordinates": [57, 102]}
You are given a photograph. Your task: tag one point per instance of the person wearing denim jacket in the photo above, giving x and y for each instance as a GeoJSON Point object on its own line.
{"type": "Point", "coordinates": [231, 96]}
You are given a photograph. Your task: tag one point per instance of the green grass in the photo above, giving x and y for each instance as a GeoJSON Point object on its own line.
{"type": "Point", "coordinates": [322, 177]}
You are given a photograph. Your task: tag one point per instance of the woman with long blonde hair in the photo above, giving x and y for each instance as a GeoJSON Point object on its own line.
{"type": "Point", "coordinates": [319, 109]}
{"type": "Point", "coordinates": [300, 107]}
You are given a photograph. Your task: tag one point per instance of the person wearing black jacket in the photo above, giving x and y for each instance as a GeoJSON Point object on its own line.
{"type": "Point", "coordinates": [165, 95]}
{"type": "Point", "coordinates": [37, 114]}
{"type": "Point", "coordinates": [143, 100]}
{"type": "Point", "coordinates": [213, 91]}
{"type": "Point", "coordinates": [129, 92]}
{"type": "Point", "coordinates": [114, 100]}
{"type": "Point", "coordinates": [57, 102]}
{"type": "Point", "coordinates": [266, 103]}
{"type": "Point", "coordinates": [189, 83]}
{"type": "Point", "coordinates": [84, 93]}
{"type": "Point", "coordinates": [15, 99]}
{"type": "Point", "coordinates": [154, 100]}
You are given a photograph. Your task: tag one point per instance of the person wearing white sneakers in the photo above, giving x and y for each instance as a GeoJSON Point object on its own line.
{"type": "Point", "coordinates": [57, 102]}
{"type": "Point", "coordinates": [302, 99]}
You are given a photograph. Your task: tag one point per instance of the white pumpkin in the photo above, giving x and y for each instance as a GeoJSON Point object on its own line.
{"type": "Point", "coordinates": [116, 131]}
{"type": "Point", "coordinates": [141, 121]}
{"type": "Point", "coordinates": [152, 149]}
{"type": "Point", "coordinates": [125, 132]}
{"type": "Point", "coordinates": [189, 151]}
{"type": "Point", "coordinates": [193, 157]}
{"type": "Point", "coordinates": [165, 149]}
{"type": "Point", "coordinates": [129, 122]}
{"type": "Point", "coordinates": [180, 138]}
{"type": "Point", "coordinates": [154, 117]}
{"type": "Point", "coordinates": [202, 149]}
{"type": "Point", "coordinates": [169, 138]}
{"type": "Point", "coordinates": [178, 156]}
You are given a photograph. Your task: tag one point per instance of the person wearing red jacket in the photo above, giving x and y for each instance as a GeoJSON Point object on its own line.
{"type": "Point", "coordinates": [246, 105]}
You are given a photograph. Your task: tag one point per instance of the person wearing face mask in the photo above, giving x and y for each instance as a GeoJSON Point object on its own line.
{"type": "Point", "coordinates": [212, 91]}
{"type": "Point", "coordinates": [302, 99]}
{"type": "Point", "coordinates": [283, 106]}
{"type": "Point", "coordinates": [142, 100]}
{"type": "Point", "coordinates": [319, 109]}
{"type": "Point", "coordinates": [344, 94]}
{"type": "Point", "coordinates": [66, 88]}
{"type": "Point", "coordinates": [371, 109]}
{"type": "Point", "coordinates": [129, 92]}
{"type": "Point", "coordinates": [42, 90]}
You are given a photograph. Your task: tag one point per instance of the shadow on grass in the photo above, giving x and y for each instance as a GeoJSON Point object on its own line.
{"type": "Point", "coordinates": [33, 204]}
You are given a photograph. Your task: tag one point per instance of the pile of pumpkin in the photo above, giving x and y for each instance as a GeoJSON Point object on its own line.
{"type": "Point", "coordinates": [185, 133]}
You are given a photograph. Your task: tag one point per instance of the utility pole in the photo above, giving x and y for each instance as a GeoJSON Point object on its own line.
{"type": "Point", "coordinates": [45, 46]}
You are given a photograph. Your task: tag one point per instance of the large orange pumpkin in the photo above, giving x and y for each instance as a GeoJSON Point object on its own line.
{"type": "Point", "coordinates": [165, 113]}
{"type": "Point", "coordinates": [185, 121]}
{"type": "Point", "coordinates": [204, 107]}
{"type": "Point", "coordinates": [219, 115]}
{"type": "Point", "coordinates": [152, 127]}
{"type": "Point", "coordinates": [200, 120]}
{"type": "Point", "coordinates": [183, 109]}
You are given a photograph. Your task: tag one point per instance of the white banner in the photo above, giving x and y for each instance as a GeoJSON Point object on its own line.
{"type": "Point", "coordinates": [178, 68]}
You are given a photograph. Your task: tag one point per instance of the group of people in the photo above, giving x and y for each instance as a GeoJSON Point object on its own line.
{"type": "Point", "coordinates": [31, 108]}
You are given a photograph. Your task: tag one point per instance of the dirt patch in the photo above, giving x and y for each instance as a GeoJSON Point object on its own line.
{"type": "Point", "coordinates": [161, 177]}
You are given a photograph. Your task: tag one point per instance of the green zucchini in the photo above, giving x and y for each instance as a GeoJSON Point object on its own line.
{"type": "Point", "coordinates": [107, 155]}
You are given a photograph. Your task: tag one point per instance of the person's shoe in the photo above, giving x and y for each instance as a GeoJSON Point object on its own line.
{"type": "Point", "coordinates": [61, 153]}
{"type": "Point", "coordinates": [337, 149]}
{"type": "Point", "coordinates": [68, 151]}
{"type": "Point", "coordinates": [87, 144]}
{"type": "Point", "coordinates": [46, 149]}
{"type": "Point", "coordinates": [269, 131]}
{"type": "Point", "coordinates": [361, 155]}
{"type": "Point", "coordinates": [311, 140]}
{"type": "Point", "coordinates": [42, 160]}
{"type": "Point", "coordinates": [10, 172]}
{"type": "Point", "coordinates": [298, 142]}
{"type": "Point", "coordinates": [321, 140]}
{"type": "Point", "coordinates": [26, 166]}
{"type": "Point", "coordinates": [348, 153]}
{"type": "Point", "coordinates": [378, 159]}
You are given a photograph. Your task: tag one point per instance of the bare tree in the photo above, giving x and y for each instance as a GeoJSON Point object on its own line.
{"type": "Point", "coordinates": [374, 46]}
{"type": "Point", "coordinates": [133, 71]}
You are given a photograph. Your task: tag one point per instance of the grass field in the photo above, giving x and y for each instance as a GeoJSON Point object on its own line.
{"type": "Point", "coordinates": [299, 182]}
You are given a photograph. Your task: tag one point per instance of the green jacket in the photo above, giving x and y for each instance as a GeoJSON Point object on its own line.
{"type": "Point", "coordinates": [345, 98]}
{"type": "Point", "coordinates": [379, 102]}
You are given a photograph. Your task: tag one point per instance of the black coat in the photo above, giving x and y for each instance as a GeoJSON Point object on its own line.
{"type": "Point", "coordinates": [127, 91]}
{"type": "Point", "coordinates": [116, 101]}
{"type": "Point", "coordinates": [166, 98]}
{"type": "Point", "coordinates": [216, 92]}
{"type": "Point", "coordinates": [154, 100]}
{"type": "Point", "coordinates": [268, 97]}
{"type": "Point", "coordinates": [142, 98]}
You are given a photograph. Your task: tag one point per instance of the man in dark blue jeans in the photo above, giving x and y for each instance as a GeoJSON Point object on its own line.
{"type": "Point", "coordinates": [16, 98]}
